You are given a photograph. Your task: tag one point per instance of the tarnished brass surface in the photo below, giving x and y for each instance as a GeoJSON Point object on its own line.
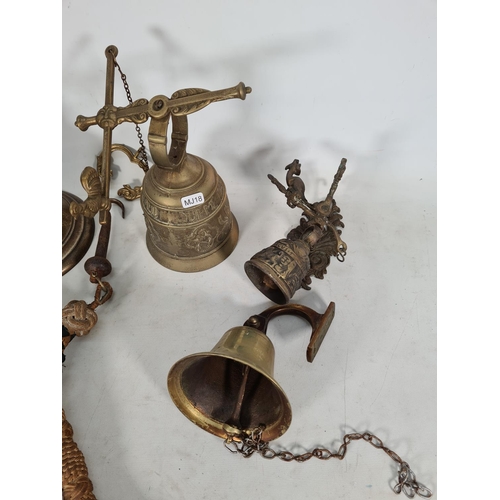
{"type": "Point", "coordinates": [189, 223]}
{"type": "Point", "coordinates": [279, 270]}
{"type": "Point", "coordinates": [96, 201]}
{"type": "Point", "coordinates": [231, 389]}
{"type": "Point", "coordinates": [77, 234]}
{"type": "Point", "coordinates": [206, 386]}
{"type": "Point", "coordinates": [320, 323]}
{"type": "Point", "coordinates": [188, 239]}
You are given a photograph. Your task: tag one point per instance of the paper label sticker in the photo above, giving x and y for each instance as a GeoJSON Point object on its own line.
{"type": "Point", "coordinates": [192, 200]}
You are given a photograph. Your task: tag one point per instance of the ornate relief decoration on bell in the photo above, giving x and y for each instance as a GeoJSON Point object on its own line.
{"type": "Point", "coordinates": [281, 269]}
{"type": "Point", "coordinates": [190, 226]}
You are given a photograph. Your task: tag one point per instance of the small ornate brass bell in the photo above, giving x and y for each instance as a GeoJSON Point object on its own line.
{"type": "Point", "coordinates": [189, 223]}
{"type": "Point", "coordinates": [232, 388]}
{"type": "Point", "coordinates": [281, 269]}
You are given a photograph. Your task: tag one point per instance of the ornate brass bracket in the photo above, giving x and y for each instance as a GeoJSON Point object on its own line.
{"type": "Point", "coordinates": [127, 192]}
{"type": "Point", "coordinates": [324, 215]}
{"type": "Point", "coordinates": [281, 269]}
{"type": "Point", "coordinates": [159, 109]}
{"type": "Point", "coordinates": [222, 231]}
{"type": "Point", "coordinates": [95, 201]}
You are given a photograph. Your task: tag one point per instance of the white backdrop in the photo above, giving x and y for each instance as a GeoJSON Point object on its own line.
{"type": "Point", "coordinates": [330, 80]}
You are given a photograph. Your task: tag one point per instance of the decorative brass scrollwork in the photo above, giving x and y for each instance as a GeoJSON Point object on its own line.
{"type": "Point", "coordinates": [95, 201]}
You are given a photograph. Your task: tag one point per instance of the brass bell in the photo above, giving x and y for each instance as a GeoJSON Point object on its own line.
{"type": "Point", "coordinates": [190, 226]}
{"type": "Point", "coordinates": [189, 223]}
{"type": "Point", "coordinates": [281, 269]}
{"type": "Point", "coordinates": [231, 389]}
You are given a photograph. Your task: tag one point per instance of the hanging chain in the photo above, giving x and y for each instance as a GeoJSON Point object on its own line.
{"type": "Point", "coordinates": [248, 444]}
{"type": "Point", "coordinates": [103, 293]}
{"type": "Point", "coordinates": [142, 149]}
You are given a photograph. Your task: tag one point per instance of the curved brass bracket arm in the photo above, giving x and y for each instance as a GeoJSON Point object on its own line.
{"type": "Point", "coordinates": [160, 109]}
{"type": "Point", "coordinates": [320, 322]}
{"type": "Point", "coordinates": [133, 157]}
{"type": "Point", "coordinates": [127, 192]}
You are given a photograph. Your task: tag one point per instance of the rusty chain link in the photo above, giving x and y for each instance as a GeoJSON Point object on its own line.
{"type": "Point", "coordinates": [248, 444]}
{"type": "Point", "coordinates": [103, 293]}
{"type": "Point", "coordinates": [142, 149]}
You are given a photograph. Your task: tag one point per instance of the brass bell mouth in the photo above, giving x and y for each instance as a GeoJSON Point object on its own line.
{"type": "Point", "coordinates": [265, 283]}
{"type": "Point", "coordinates": [77, 234]}
{"type": "Point", "coordinates": [279, 270]}
{"type": "Point", "coordinates": [205, 386]}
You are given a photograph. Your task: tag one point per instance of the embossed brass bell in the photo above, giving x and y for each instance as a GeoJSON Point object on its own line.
{"type": "Point", "coordinates": [190, 226]}
{"type": "Point", "coordinates": [232, 388]}
{"type": "Point", "coordinates": [281, 269]}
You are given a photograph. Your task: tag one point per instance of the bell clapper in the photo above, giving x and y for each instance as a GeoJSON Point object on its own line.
{"type": "Point", "coordinates": [320, 324]}
{"type": "Point", "coordinates": [234, 420]}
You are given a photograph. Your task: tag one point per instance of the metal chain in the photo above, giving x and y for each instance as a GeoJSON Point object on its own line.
{"type": "Point", "coordinates": [103, 293]}
{"type": "Point", "coordinates": [248, 444]}
{"type": "Point", "coordinates": [142, 150]}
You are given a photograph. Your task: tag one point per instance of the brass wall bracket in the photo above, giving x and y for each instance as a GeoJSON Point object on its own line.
{"type": "Point", "coordinates": [320, 322]}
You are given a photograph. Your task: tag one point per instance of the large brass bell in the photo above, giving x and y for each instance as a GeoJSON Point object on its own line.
{"type": "Point", "coordinates": [189, 223]}
{"type": "Point", "coordinates": [279, 270]}
{"type": "Point", "coordinates": [190, 226]}
{"type": "Point", "coordinates": [231, 389]}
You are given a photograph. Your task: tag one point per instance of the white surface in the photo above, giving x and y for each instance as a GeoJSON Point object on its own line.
{"type": "Point", "coordinates": [330, 80]}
